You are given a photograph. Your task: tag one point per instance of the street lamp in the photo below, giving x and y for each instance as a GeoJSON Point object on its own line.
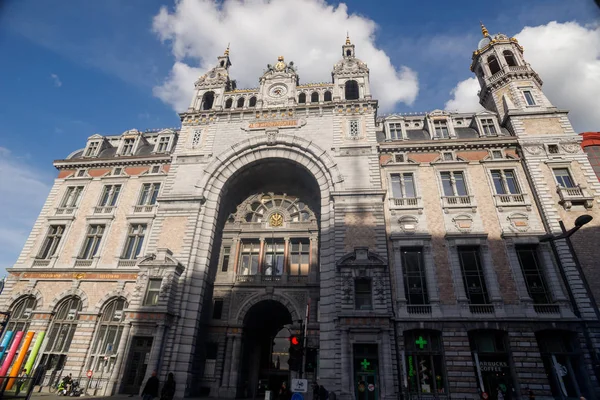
{"type": "Point", "coordinates": [579, 222]}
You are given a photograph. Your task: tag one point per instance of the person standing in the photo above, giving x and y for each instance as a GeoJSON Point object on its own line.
{"type": "Point", "coordinates": [21, 381]}
{"type": "Point", "coordinates": [151, 389]}
{"type": "Point", "coordinates": [168, 390]}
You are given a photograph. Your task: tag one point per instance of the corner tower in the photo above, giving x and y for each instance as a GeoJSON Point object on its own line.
{"type": "Point", "coordinates": [350, 76]}
{"type": "Point", "coordinates": [510, 87]}
{"type": "Point", "coordinates": [209, 88]}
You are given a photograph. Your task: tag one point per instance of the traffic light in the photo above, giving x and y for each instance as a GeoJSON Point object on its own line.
{"type": "Point", "coordinates": [295, 351]}
{"type": "Point", "coordinates": [311, 359]}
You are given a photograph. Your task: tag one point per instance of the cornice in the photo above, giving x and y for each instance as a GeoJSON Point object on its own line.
{"type": "Point", "coordinates": [428, 145]}
{"type": "Point", "coordinates": [111, 162]}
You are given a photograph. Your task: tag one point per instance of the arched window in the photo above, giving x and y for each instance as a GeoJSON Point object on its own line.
{"type": "Point", "coordinates": [207, 100]}
{"type": "Point", "coordinates": [351, 90]}
{"type": "Point", "coordinates": [252, 101]}
{"type": "Point", "coordinates": [228, 103]}
{"type": "Point", "coordinates": [510, 58]}
{"type": "Point", "coordinates": [302, 98]}
{"type": "Point", "coordinates": [240, 102]}
{"type": "Point", "coordinates": [314, 97]}
{"type": "Point", "coordinates": [108, 336]}
{"type": "Point", "coordinates": [222, 63]}
{"type": "Point", "coordinates": [327, 96]}
{"type": "Point", "coordinates": [20, 314]}
{"type": "Point", "coordinates": [493, 64]}
{"type": "Point", "coordinates": [348, 53]}
{"type": "Point", "coordinates": [61, 334]}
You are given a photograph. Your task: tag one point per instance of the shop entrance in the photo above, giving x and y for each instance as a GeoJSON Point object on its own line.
{"type": "Point", "coordinates": [137, 364]}
{"type": "Point", "coordinates": [492, 364]}
{"type": "Point", "coordinates": [366, 371]}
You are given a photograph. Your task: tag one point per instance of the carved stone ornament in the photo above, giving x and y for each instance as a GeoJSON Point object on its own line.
{"type": "Point", "coordinates": [271, 136]}
{"type": "Point", "coordinates": [533, 149]}
{"type": "Point", "coordinates": [571, 147]}
{"type": "Point", "coordinates": [518, 222]}
{"type": "Point", "coordinates": [463, 222]}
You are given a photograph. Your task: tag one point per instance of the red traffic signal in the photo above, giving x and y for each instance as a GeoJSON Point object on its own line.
{"type": "Point", "coordinates": [294, 341]}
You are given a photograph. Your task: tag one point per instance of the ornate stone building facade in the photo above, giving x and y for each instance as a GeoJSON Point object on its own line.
{"type": "Point", "coordinates": [408, 244]}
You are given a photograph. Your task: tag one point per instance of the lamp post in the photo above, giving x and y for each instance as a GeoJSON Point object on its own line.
{"type": "Point", "coordinates": [566, 235]}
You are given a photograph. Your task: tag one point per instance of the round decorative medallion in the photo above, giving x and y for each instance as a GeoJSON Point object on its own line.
{"type": "Point", "coordinates": [276, 220]}
{"type": "Point", "coordinates": [278, 91]}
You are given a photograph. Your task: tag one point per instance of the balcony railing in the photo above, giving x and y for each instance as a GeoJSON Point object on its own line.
{"type": "Point", "coordinates": [144, 209]}
{"type": "Point", "coordinates": [418, 309]}
{"type": "Point", "coordinates": [481, 308]}
{"type": "Point", "coordinates": [126, 263]}
{"type": "Point", "coordinates": [574, 195]}
{"type": "Point", "coordinates": [65, 210]}
{"type": "Point", "coordinates": [297, 278]}
{"type": "Point", "coordinates": [41, 263]}
{"type": "Point", "coordinates": [546, 308]}
{"type": "Point", "coordinates": [405, 202]}
{"type": "Point", "coordinates": [457, 201]}
{"type": "Point", "coordinates": [510, 199]}
{"type": "Point", "coordinates": [83, 263]}
{"type": "Point", "coordinates": [271, 278]}
{"type": "Point", "coordinates": [104, 209]}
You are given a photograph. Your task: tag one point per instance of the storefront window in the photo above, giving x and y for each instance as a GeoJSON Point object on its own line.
{"type": "Point", "coordinates": [424, 362]}
{"type": "Point", "coordinates": [492, 366]}
{"type": "Point", "coordinates": [563, 364]}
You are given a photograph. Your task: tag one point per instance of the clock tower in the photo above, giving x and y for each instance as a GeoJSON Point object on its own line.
{"type": "Point", "coordinates": [278, 84]}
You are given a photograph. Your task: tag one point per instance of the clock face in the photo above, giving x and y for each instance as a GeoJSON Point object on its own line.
{"type": "Point", "coordinates": [278, 91]}
{"type": "Point", "coordinates": [280, 66]}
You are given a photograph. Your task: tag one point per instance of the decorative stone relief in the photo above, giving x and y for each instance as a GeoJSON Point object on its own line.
{"type": "Point", "coordinates": [463, 222]}
{"type": "Point", "coordinates": [166, 285]}
{"type": "Point", "coordinates": [408, 223]}
{"type": "Point", "coordinates": [379, 288]}
{"type": "Point", "coordinates": [533, 149]}
{"type": "Point", "coordinates": [518, 222]}
{"type": "Point", "coordinates": [271, 136]}
{"type": "Point", "coordinates": [571, 147]}
{"type": "Point", "coordinates": [347, 288]}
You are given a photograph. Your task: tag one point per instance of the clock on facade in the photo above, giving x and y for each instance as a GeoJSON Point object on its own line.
{"type": "Point", "coordinates": [278, 91]}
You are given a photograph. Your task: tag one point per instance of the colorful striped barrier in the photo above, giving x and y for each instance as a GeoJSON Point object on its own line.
{"type": "Point", "coordinates": [11, 353]}
{"type": "Point", "coordinates": [5, 343]}
{"type": "Point", "coordinates": [16, 368]}
{"type": "Point", "coordinates": [34, 352]}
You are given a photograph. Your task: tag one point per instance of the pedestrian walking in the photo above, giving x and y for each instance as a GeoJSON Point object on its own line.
{"type": "Point", "coordinates": [151, 389]}
{"type": "Point", "coordinates": [168, 390]}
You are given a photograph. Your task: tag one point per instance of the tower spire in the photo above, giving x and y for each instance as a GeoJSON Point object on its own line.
{"type": "Point", "coordinates": [347, 38]}
{"type": "Point", "coordinates": [227, 50]}
{"type": "Point", "coordinates": [484, 30]}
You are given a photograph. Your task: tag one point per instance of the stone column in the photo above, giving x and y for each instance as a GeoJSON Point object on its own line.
{"type": "Point", "coordinates": [386, 363]}
{"type": "Point", "coordinates": [155, 353]}
{"type": "Point", "coordinates": [114, 376]}
{"type": "Point", "coordinates": [235, 360]}
{"type": "Point", "coordinates": [431, 279]}
{"type": "Point", "coordinates": [227, 361]}
{"type": "Point", "coordinates": [400, 293]}
{"type": "Point", "coordinates": [346, 366]}
{"type": "Point", "coordinates": [491, 279]}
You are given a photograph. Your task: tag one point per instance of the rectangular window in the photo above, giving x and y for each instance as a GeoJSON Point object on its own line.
{"type": "Point", "coordinates": [117, 171]}
{"type": "Point", "coordinates": [225, 259]}
{"type": "Point", "coordinates": [109, 197]}
{"type": "Point", "coordinates": [149, 194]}
{"type": "Point", "coordinates": [163, 144]}
{"type": "Point", "coordinates": [497, 154]}
{"type": "Point", "coordinates": [505, 182]}
{"type": "Point", "coordinates": [92, 242]}
{"type": "Point", "coordinates": [441, 128]}
{"type": "Point", "coordinates": [274, 256]}
{"type": "Point", "coordinates": [81, 173]}
{"type": "Point", "coordinates": [403, 185]}
{"type": "Point", "coordinates": [553, 149]}
{"type": "Point", "coordinates": [362, 294]}
{"type": "Point", "coordinates": [152, 292]}
{"type": "Point", "coordinates": [453, 183]}
{"type": "Point", "coordinates": [50, 245]}
{"type": "Point", "coordinates": [415, 284]}
{"type": "Point", "coordinates": [424, 363]}
{"type": "Point", "coordinates": [249, 258]}
{"type": "Point", "coordinates": [135, 241]}
{"type": "Point", "coordinates": [534, 276]}
{"type": "Point", "coordinates": [472, 273]}
{"type": "Point", "coordinates": [529, 97]}
{"type": "Point", "coordinates": [217, 309]}
{"type": "Point", "coordinates": [92, 149]}
{"type": "Point", "coordinates": [71, 198]}
{"type": "Point", "coordinates": [299, 257]}
{"type": "Point", "coordinates": [448, 156]}
{"type": "Point", "coordinates": [395, 131]}
{"type": "Point", "coordinates": [489, 129]}
{"type": "Point", "coordinates": [127, 149]}
{"type": "Point", "coordinates": [563, 177]}
{"type": "Point", "coordinates": [210, 363]}
{"type": "Point", "coordinates": [354, 131]}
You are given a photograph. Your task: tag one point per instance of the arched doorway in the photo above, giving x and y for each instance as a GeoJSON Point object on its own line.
{"type": "Point", "coordinates": [265, 348]}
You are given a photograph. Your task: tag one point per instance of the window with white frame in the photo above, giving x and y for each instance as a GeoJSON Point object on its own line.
{"type": "Point", "coordinates": [92, 149]}
{"type": "Point", "coordinates": [488, 126]}
{"type": "Point", "coordinates": [52, 241]}
{"type": "Point", "coordinates": [354, 131]}
{"type": "Point", "coordinates": [563, 177]}
{"type": "Point", "coordinates": [92, 242]}
{"type": "Point", "coordinates": [453, 183]}
{"type": "Point", "coordinates": [163, 144]}
{"type": "Point", "coordinates": [127, 149]}
{"type": "Point", "coordinates": [149, 194]}
{"type": "Point", "coordinates": [441, 128]}
{"type": "Point", "coordinates": [109, 196]}
{"type": "Point", "coordinates": [153, 292]}
{"type": "Point", "coordinates": [529, 97]}
{"type": "Point", "coordinates": [403, 185]}
{"type": "Point", "coordinates": [395, 131]}
{"type": "Point", "coordinates": [497, 154]}
{"type": "Point", "coordinates": [117, 171]}
{"type": "Point", "coordinates": [108, 336]}
{"type": "Point", "coordinates": [505, 181]}
{"type": "Point", "coordinates": [135, 241]}
{"type": "Point", "coordinates": [80, 173]}
{"type": "Point", "coordinates": [447, 156]}
{"type": "Point", "coordinates": [155, 169]}
{"type": "Point", "coordinates": [72, 196]}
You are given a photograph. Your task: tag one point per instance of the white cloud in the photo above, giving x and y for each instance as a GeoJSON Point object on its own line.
{"type": "Point", "coordinates": [308, 32]}
{"type": "Point", "coordinates": [567, 58]}
{"type": "Point", "coordinates": [24, 190]}
{"type": "Point", "coordinates": [56, 80]}
{"type": "Point", "coordinates": [465, 97]}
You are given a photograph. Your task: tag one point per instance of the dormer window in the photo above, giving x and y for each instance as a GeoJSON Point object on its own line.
{"type": "Point", "coordinates": [163, 144]}
{"type": "Point", "coordinates": [497, 154]}
{"type": "Point", "coordinates": [92, 149]}
{"type": "Point", "coordinates": [155, 169]}
{"type": "Point", "coordinates": [80, 173]}
{"type": "Point", "coordinates": [488, 127]}
{"type": "Point", "coordinates": [395, 131]}
{"type": "Point", "coordinates": [127, 149]}
{"type": "Point", "coordinates": [441, 129]}
{"type": "Point", "coordinates": [448, 156]}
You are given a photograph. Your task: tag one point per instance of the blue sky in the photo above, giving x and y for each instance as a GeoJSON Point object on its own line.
{"type": "Point", "coordinates": [72, 69]}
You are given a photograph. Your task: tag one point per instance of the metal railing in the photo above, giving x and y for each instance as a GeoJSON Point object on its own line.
{"type": "Point", "coordinates": [481, 308]}
{"type": "Point", "coordinates": [418, 309]}
{"type": "Point", "coordinates": [546, 308]}
{"type": "Point", "coordinates": [16, 387]}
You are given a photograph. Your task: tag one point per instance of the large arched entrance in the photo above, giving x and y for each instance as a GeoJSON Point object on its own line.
{"type": "Point", "coordinates": [264, 348]}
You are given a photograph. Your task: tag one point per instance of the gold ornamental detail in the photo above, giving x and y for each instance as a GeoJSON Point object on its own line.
{"type": "Point", "coordinates": [276, 220]}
